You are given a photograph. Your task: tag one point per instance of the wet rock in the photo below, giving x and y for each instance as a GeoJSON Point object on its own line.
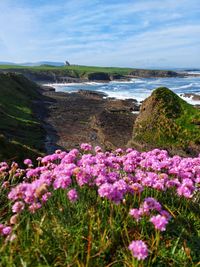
{"type": "Point", "coordinates": [98, 76]}
{"type": "Point", "coordinates": [92, 94]}
{"type": "Point", "coordinates": [85, 117]}
{"type": "Point", "coordinates": [194, 97]}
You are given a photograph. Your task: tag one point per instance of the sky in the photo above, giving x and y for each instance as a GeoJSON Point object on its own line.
{"type": "Point", "coordinates": [126, 33]}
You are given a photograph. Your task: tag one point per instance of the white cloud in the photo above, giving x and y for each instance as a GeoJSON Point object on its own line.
{"type": "Point", "coordinates": [100, 32]}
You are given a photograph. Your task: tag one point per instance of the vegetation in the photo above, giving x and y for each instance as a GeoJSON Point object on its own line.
{"type": "Point", "coordinates": [82, 208]}
{"type": "Point", "coordinates": [84, 72]}
{"type": "Point", "coordinates": [73, 70]}
{"type": "Point", "coordinates": [20, 131]}
{"type": "Point", "coordinates": [167, 121]}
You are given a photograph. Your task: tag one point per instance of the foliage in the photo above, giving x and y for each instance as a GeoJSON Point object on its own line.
{"type": "Point", "coordinates": [18, 125]}
{"type": "Point", "coordinates": [167, 120]}
{"type": "Point", "coordinates": [85, 208]}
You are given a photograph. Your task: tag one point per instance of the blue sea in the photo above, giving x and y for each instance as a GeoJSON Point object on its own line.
{"type": "Point", "coordinates": [137, 88]}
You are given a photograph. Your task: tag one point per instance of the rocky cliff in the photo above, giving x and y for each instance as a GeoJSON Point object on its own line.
{"type": "Point", "coordinates": [66, 75]}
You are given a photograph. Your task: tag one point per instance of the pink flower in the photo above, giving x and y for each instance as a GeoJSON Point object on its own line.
{"type": "Point", "coordinates": [86, 147]}
{"type": "Point", "coordinates": [72, 195]}
{"type": "Point", "coordinates": [139, 249]}
{"type": "Point", "coordinates": [97, 149]}
{"type": "Point", "coordinates": [6, 230]}
{"type": "Point", "coordinates": [34, 207]}
{"type": "Point", "coordinates": [18, 207]}
{"type": "Point", "coordinates": [135, 213]}
{"type": "Point", "coordinates": [159, 222]}
{"type": "Point", "coordinates": [28, 162]}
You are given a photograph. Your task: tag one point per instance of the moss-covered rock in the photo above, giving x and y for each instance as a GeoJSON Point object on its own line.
{"type": "Point", "coordinates": [165, 120]}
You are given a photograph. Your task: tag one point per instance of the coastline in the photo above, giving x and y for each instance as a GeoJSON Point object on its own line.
{"type": "Point", "coordinates": [85, 116]}
{"type": "Point", "coordinates": [137, 88]}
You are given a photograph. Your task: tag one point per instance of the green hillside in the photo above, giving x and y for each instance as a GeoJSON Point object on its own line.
{"type": "Point", "coordinates": [166, 120]}
{"type": "Point", "coordinates": [18, 125]}
{"type": "Point", "coordinates": [37, 73]}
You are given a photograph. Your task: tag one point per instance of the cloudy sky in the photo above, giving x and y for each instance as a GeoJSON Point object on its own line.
{"type": "Point", "coordinates": [132, 33]}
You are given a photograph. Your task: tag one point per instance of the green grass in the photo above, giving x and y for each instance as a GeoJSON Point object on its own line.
{"type": "Point", "coordinates": [76, 71]}
{"type": "Point", "coordinates": [167, 121]}
{"type": "Point", "coordinates": [96, 232]}
{"type": "Point", "coordinates": [17, 121]}
{"type": "Point", "coordinates": [80, 70]}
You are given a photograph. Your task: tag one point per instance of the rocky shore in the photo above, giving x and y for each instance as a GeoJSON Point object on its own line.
{"type": "Point", "coordinates": [73, 118]}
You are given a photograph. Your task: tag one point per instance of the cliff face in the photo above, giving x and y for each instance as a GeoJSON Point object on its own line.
{"type": "Point", "coordinates": [165, 120]}
{"type": "Point", "coordinates": [154, 73]}
{"type": "Point", "coordinates": [62, 75]}
{"type": "Point", "coordinates": [20, 131]}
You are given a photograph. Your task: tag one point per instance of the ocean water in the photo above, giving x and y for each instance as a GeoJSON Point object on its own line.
{"type": "Point", "coordinates": [137, 88]}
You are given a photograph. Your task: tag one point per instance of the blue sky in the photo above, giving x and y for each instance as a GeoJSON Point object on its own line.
{"type": "Point", "coordinates": [132, 33]}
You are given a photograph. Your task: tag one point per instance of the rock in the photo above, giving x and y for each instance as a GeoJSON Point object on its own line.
{"type": "Point", "coordinates": [167, 121]}
{"type": "Point", "coordinates": [113, 129]}
{"type": "Point", "coordinates": [127, 105]}
{"type": "Point", "coordinates": [85, 117]}
{"type": "Point", "coordinates": [93, 94]}
{"type": "Point", "coordinates": [154, 73]}
{"type": "Point", "coordinates": [98, 76]}
{"type": "Point", "coordinates": [193, 96]}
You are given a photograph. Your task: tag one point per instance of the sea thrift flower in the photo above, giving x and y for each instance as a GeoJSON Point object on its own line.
{"type": "Point", "coordinates": [5, 185]}
{"type": "Point", "coordinates": [72, 195]}
{"type": "Point", "coordinates": [159, 222]}
{"type": "Point", "coordinates": [6, 230]}
{"type": "Point", "coordinates": [86, 147]}
{"type": "Point", "coordinates": [135, 213]}
{"type": "Point", "coordinates": [28, 162]}
{"type": "Point", "coordinates": [165, 214]}
{"type": "Point", "coordinates": [18, 207]}
{"type": "Point", "coordinates": [34, 207]}
{"type": "Point", "coordinates": [97, 149]}
{"type": "Point", "coordinates": [139, 249]}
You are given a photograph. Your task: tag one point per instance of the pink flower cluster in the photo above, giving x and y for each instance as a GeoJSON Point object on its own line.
{"type": "Point", "coordinates": [5, 230]}
{"type": "Point", "coordinates": [139, 249]}
{"type": "Point", "coordinates": [146, 208]}
{"type": "Point", "coordinates": [114, 175]}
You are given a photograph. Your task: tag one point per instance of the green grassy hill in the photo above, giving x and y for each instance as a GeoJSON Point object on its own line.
{"type": "Point", "coordinates": [167, 121]}
{"type": "Point", "coordinates": [20, 131]}
{"type": "Point", "coordinates": [53, 73]}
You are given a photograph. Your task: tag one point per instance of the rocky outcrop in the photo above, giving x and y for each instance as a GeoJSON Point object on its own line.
{"type": "Point", "coordinates": [153, 73]}
{"type": "Point", "coordinates": [92, 94]}
{"type": "Point", "coordinates": [87, 116]}
{"type": "Point", "coordinates": [59, 75]}
{"type": "Point", "coordinates": [98, 76]}
{"type": "Point", "coordinates": [114, 129]}
{"type": "Point", "coordinates": [165, 120]}
{"type": "Point", "coordinates": [194, 97]}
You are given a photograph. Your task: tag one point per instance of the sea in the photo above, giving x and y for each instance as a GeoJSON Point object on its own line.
{"type": "Point", "coordinates": [139, 88]}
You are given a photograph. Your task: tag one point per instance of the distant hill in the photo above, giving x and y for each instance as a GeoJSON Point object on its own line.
{"type": "Point", "coordinates": [7, 63]}
{"type": "Point", "coordinates": [40, 63]}
{"type": "Point", "coordinates": [32, 64]}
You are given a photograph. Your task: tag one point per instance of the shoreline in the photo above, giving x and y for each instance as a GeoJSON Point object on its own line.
{"type": "Point", "coordinates": [86, 116]}
{"type": "Point", "coordinates": [192, 98]}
